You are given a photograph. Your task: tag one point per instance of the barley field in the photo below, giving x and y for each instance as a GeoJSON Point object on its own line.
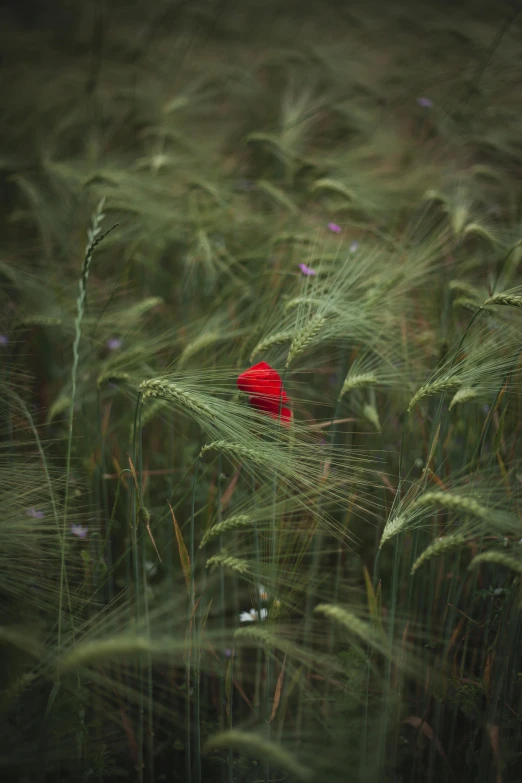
{"type": "Point", "coordinates": [260, 405]}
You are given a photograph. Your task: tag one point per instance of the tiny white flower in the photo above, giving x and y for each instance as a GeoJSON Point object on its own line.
{"type": "Point", "coordinates": [263, 593]}
{"type": "Point", "coordinates": [252, 616]}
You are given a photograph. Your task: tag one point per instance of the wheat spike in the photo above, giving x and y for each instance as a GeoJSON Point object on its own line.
{"type": "Point", "coordinates": [59, 406]}
{"type": "Point", "coordinates": [140, 308]}
{"type": "Point", "coordinates": [200, 342]}
{"type": "Point", "coordinates": [304, 337]}
{"type": "Point", "coordinates": [358, 380]}
{"type": "Point", "coordinates": [39, 320]}
{"type": "Point", "coordinates": [465, 394]}
{"type": "Point", "coordinates": [498, 558]}
{"type": "Point", "coordinates": [465, 301]}
{"type": "Point", "coordinates": [511, 300]}
{"type": "Point", "coordinates": [349, 621]}
{"type": "Point", "coordinates": [232, 523]}
{"type": "Point", "coordinates": [453, 502]}
{"type": "Point", "coordinates": [371, 414]}
{"type": "Point", "coordinates": [93, 652]}
{"type": "Point", "coordinates": [258, 747]}
{"type": "Point", "coordinates": [463, 287]}
{"type": "Point", "coordinates": [392, 527]}
{"type": "Point", "coordinates": [439, 547]}
{"type": "Point", "coordinates": [304, 300]}
{"type": "Point", "coordinates": [121, 647]}
{"type": "Point", "coordinates": [280, 338]}
{"type": "Point", "coordinates": [229, 561]}
{"type": "Point", "coordinates": [149, 411]}
{"type": "Point", "coordinates": [435, 387]}
{"type": "Point", "coordinates": [166, 390]}
{"type": "Point", "coordinates": [112, 376]}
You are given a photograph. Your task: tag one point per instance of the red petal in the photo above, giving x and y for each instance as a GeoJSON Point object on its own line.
{"type": "Point", "coordinates": [265, 389]}
{"type": "Point", "coordinates": [260, 379]}
{"type": "Point", "coordinates": [267, 404]}
{"type": "Point", "coordinates": [271, 407]}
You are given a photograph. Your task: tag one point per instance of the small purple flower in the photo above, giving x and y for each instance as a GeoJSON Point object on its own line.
{"type": "Point", "coordinates": [79, 531]}
{"type": "Point", "coordinates": [426, 103]}
{"type": "Point", "coordinates": [334, 227]}
{"type": "Point", "coordinates": [113, 344]}
{"type": "Point", "coordinates": [228, 653]}
{"type": "Point", "coordinates": [485, 409]}
{"type": "Point", "coordinates": [34, 513]}
{"type": "Point", "coordinates": [307, 270]}
{"type": "Point", "coordinates": [4, 339]}
{"type": "Point", "coordinates": [354, 246]}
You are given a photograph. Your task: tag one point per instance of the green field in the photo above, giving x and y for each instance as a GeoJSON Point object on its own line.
{"type": "Point", "coordinates": [311, 571]}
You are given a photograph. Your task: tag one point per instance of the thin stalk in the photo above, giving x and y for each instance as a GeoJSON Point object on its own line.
{"type": "Point", "coordinates": [106, 546]}
{"type": "Point", "coordinates": [259, 652]}
{"type": "Point", "coordinates": [137, 563]}
{"type": "Point", "coordinates": [222, 595]}
{"type": "Point", "coordinates": [150, 683]}
{"type": "Point", "coordinates": [94, 239]}
{"type": "Point", "coordinates": [225, 773]}
{"type": "Point", "coordinates": [191, 635]}
{"type": "Point", "coordinates": [273, 554]}
{"type": "Point", "coordinates": [317, 548]}
{"type": "Point", "coordinates": [391, 631]}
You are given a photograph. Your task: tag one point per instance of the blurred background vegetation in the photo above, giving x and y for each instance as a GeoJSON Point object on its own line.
{"type": "Point", "coordinates": [191, 590]}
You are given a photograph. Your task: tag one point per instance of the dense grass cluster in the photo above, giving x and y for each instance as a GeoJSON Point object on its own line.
{"type": "Point", "coordinates": [191, 589]}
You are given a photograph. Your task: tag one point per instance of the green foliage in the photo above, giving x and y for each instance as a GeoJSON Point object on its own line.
{"type": "Point", "coordinates": [191, 589]}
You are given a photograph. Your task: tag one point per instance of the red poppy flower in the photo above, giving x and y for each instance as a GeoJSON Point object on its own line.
{"type": "Point", "coordinates": [265, 391]}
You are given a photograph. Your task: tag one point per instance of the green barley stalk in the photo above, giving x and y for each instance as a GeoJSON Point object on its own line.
{"type": "Point", "coordinates": [150, 699]}
{"type": "Point", "coordinates": [222, 607]}
{"type": "Point", "coordinates": [94, 236]}
{"type": "Point", "coordinates": [273, 577]}
{"type": "Point", "coordinates": [137, 564]}
{"type": "Point", "coordinates": [197, 679]}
